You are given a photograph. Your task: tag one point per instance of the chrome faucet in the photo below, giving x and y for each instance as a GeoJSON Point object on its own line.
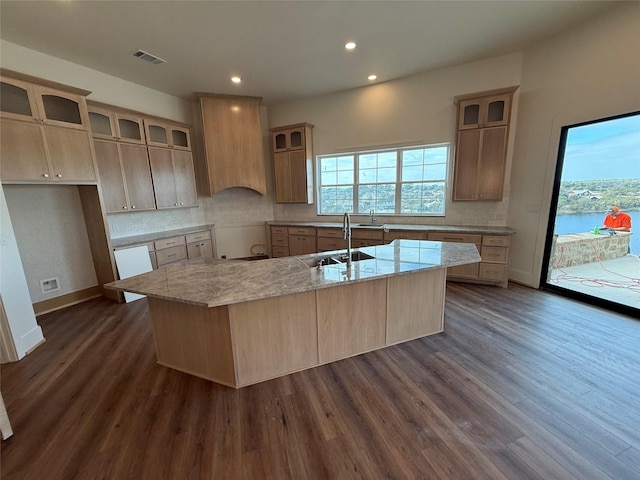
{"type": "Point", "coordinates": [346, 233]}
{"type": "Point", "coordinates": [372, 214]}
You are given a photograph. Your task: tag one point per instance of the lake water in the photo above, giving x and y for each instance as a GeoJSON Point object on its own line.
{"type": "Point", "coordinates": [584, 222]}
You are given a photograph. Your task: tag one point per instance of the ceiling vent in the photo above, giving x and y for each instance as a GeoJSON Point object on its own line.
{"type": "Point", "coordinates": [147, 57]}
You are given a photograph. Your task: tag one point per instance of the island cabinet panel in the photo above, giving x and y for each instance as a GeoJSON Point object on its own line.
{"type": "Point", "coordinates": [193, 339]}
{"type": "Point", "coordinates": [351, 319]}
{"type": "Point", "coordinates": [415, 305]}
{"type": "Point", "coordinates": [274, 336]}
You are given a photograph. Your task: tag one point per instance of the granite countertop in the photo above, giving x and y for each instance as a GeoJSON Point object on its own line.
{"type": "Point", "coordinates": [213, 283]}
{"type": "Point", "coordinates": [405, 227]}
{"type": "Point", "coordinates": [150, 237]}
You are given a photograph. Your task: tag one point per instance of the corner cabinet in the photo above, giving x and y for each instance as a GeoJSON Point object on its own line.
{"type": "Point", "coordinates": [293, 163]}
{"type": "Point", "coordinates": [45, 134]}
{"type": "Point", "coordinates": [233, 143]}
{"type": "Point", "coordinates": [481, 145]}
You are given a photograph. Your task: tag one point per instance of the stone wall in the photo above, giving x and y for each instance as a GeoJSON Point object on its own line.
{"type": "Point", "coordinates": [581, 248]}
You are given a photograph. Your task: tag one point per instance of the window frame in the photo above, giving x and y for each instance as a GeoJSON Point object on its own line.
{"type": "Point", "coordinates": [398, 181]}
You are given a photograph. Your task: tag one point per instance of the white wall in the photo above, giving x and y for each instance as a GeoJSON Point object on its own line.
{"type": "Point", "coordinates": [588, 73]}
{"type": "Point", "coordinates": [414, 109]}
{"type": "Point", "coordinates": [52, 237]}
{"type": "Point", "coordinates": [26, 333]}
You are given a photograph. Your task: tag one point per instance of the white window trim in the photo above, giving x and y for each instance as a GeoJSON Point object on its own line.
{"type": "Point", "coordinates": [398, 183]}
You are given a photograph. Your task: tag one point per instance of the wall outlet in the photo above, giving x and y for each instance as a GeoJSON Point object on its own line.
{"type": "Point", "coordinates": [48, 285]}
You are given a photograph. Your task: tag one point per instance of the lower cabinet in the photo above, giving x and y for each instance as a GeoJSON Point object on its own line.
{"type": "Point", "coordinates": [287, 240]}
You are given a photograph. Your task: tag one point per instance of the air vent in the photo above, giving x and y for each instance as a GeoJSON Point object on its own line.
{"type": "Point", "coordinates": [148, 57]}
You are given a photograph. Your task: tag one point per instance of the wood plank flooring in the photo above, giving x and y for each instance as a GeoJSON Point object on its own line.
{"type": "Point", "coordinates": [521, 385]}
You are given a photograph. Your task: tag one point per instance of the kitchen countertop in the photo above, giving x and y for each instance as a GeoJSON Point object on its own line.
{"type": "Point", "coordinates": [213, 283]}
{"type": "Point", "coordinates": [150, 237]}
{"type": "Point", "coordinates": [405, 227]}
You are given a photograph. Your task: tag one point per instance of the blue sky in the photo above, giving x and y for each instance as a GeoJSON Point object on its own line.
{"type": "Point", "coordinates": [603, 150]}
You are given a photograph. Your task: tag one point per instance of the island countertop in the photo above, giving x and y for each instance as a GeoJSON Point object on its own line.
{"type": "Point", "coordinates": [213, 283]}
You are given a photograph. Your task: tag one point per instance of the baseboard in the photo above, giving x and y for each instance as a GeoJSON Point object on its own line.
{"type": "Point", "coordinates": [66, 300]}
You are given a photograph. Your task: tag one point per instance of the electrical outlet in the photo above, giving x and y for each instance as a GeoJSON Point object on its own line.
{"type": "Point", "coordinates": [48, 285]}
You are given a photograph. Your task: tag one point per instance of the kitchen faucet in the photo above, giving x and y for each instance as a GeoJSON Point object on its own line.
{"type": "Point", "coordinates": [372, 214]}
{"type": "Point", "coordinates": [346, 232]}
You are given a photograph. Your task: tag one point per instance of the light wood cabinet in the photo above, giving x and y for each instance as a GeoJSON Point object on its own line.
{"type": "Point", "coordinates": [167, 135]}
{"type": "Point", "coordinates": [302, 240]}
{"type": "Point", "coordinates": [45, 134]}
{"type": "Point", "coordinates": [113, 125]}
{"type": "Point", "coordinates": [293, 163]}
{"type": "Point", "coordinates": [173, 178]}
{"type": "Point", "coordinates": [481, 145]}
{"type": "Point", "coordinates": [125, 176]}
{"type": "Point", "coordinates": [233, 143]}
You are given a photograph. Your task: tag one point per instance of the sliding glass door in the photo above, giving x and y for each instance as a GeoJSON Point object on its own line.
{"type": "Point", "coordinates": [598, 167]}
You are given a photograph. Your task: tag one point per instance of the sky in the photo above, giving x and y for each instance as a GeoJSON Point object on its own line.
{"type": "Point", "coordinates": [604, 150]}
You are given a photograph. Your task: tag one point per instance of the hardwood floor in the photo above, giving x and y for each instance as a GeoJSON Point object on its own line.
{"type": "Point", "coordinates": [522, 385]}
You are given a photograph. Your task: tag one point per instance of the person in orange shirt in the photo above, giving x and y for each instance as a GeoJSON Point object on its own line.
{"type": "Point", "coordinates": [617, 220]}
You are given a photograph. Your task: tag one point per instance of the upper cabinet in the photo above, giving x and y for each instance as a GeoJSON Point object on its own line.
{"type": "Point", "coordinates": [45, 133]}
{"type": "Point", "coordinates": [481, 145]}
{"type": "Point", "coordinates": [166, 135]}
{"type": "Point", "coordinates": [145, 163]}
{"type": "Point", "coordinates": [233, 143]}
{"type": "Point", "coordinates": [112, 125]}
{"type": "Point", "coordinates": [293, 163]}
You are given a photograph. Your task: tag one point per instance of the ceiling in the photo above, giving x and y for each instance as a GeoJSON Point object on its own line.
{"type": "Point", "coordinates": [283, 50]}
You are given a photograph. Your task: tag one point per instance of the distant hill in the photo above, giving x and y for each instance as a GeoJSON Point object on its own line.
{"type": "Point", "coordinates": [586, 196]}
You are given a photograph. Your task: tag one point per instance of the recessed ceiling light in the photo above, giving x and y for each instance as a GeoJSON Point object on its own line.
{"type": "Point", "coordinates": [350, 45]}
{"type": "Point", "coordinates": [372, 77]}
{"type": "Point", "coordinates": [236, 79]}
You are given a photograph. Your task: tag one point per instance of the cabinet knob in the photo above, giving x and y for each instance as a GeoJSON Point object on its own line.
{"type": "Point", "coordinates": [133, 206]}
{"type": "Point", "coordinates": [124, 208]}
{"type": "Point", "coordinates": [58, 175]}
{"type": "Point", "coordinates": [181, 203]}
{"type": "Point", "coordinates": [175, 204]}
{"type": "Point", "coordinates": [45, 175]}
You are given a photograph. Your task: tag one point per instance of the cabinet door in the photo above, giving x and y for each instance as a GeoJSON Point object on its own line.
{"type": "Point", "coordinates": [180, 138]}
{"type": "Point", "coordinates": [282, 177]}
{"type": "Point", "coordinates": [102, 123]}
{"type": "Point", "coordinates": [202, 249]}
{"type": "Point", "coordinates": [163, 178]}
{"type": "Point", "coordinates": [22, 152]}
{"type": "Point", "coordinates": [61, 109]}
{"type": "Point", "coordinates": [185, 180]}
{"type": "Point", "coordinates": [302, 244]}
{"type": "Point", "coordinates": [491, 165]}
{"type": "Point", "coordinates": [70, 154]}
{"type": "Point", "coordinates": [466, 166]}
{"type": "Point", "coordinates": [137, 175]}
{"type": "Point", "coordinates": [482, 112]}
{"type": "Point", "coordinates": [129, 128]}
{"type": "Point", "coordinates": [17, 100]}
{"type": "Point", "coordinates": [299, 181]}
{"type": "Point", "coordinates": [111, 179]}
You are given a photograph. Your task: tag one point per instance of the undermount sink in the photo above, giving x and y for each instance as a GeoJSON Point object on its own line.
{"type": "Point", "coordinates": [341, 258]}
{"type": "Point", "coordinates": [367, 225]}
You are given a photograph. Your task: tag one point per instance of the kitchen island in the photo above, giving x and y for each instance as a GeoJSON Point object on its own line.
{"type": "Point", "coordinates": [238, 323]}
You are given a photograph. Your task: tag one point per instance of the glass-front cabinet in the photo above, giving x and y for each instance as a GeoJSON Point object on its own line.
{"type": "Point", "coordinates": [22, 100]}
{"type": "Point", "coordinates": [484, 112]}
{"type": "Point", "coordinates": [166, 135]}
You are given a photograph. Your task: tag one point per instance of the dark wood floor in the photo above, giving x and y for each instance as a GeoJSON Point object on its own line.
{"type": "Point", "coordinates": [521, 385]}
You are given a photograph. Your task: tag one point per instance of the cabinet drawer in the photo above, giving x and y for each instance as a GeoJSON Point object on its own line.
{"type": "Point", "coordinates": [198, 236]}
{"type": "Point", "coordinates": [363, 242]}
{"type": "Point", "coordinates": [279, 230]}
{"type": "Point", "coordinates": [325, 244]}
{"type": "Point", "coordinates": [494, 254]}
{"type": "Point", "coordinates": [279, 252]}
{"type": "Point", "coordinates": [170, 255]}
{"type": "Point", "coordinates": [302, 231]}
{"type": "Point", "coordinates": [169, 242]}
{"type": "Point", "coordinates": [330, 232]}
{"type": "Point", "coordinates": [493, 272]}
{"type": "Point", "coordinates": [469, 270]}
{"type": "Point", "coordinates": [279, 239]}
{"type": "Point", "coordinates": [368, 234]}
{"type": "Point", "coordinates": [455, 237]}
{"type": "Point", "coordinates": [496, 240]}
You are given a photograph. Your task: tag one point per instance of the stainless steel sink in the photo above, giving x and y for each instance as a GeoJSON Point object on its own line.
{"type": "Point", "coordinates": [341, 258]}
{"type": "Point", "coordinates": [367, 225]}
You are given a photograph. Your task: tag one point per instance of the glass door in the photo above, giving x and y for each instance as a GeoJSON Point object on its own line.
{"type": "Point", "coordinates": [590, 253]}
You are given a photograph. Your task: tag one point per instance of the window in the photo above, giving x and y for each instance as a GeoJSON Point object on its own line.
{"type": "Point", "coordinates": [403, 181]}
